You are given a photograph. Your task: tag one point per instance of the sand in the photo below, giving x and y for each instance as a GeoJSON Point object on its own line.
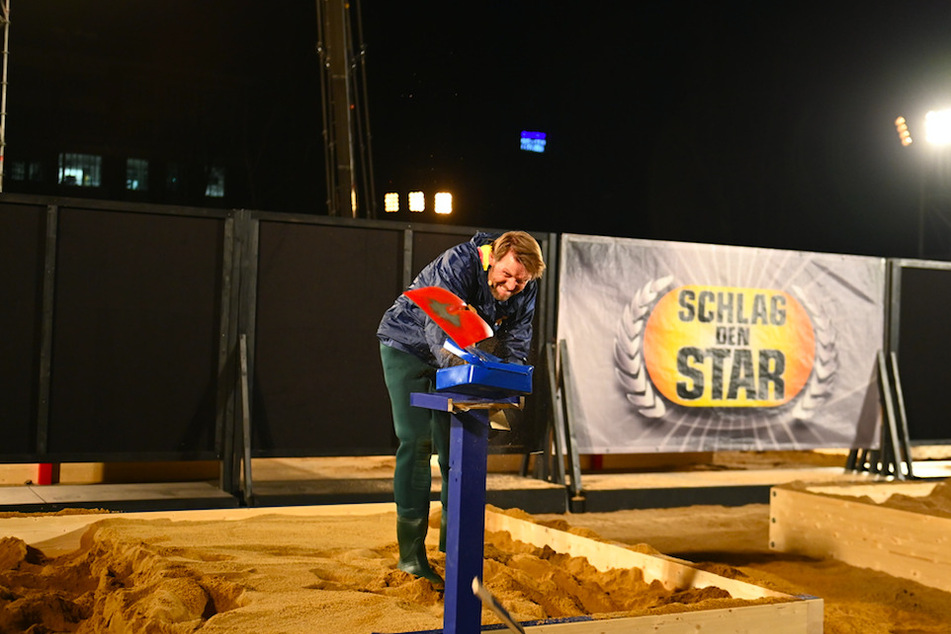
{"type": "Point", "coordinates": [338, 574]}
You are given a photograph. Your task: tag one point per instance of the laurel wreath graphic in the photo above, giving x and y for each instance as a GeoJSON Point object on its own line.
{"type": "Point", "coordinates": [629, 359]}
{"type": "Point", "coordinates": [826, 363]}
{"type": "Point", "coordinates": [639, 391]}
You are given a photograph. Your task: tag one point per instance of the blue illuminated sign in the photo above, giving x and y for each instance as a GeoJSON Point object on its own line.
{"type": "Point", "coordinates": [533, 141]}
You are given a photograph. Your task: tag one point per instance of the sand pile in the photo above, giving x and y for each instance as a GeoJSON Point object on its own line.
{"type": "Point", "coordinates": [110, 584]}
{"type": "Point", "coordinates": [291, 574]}
{"type": "Point", "coordinates": [938, 502]}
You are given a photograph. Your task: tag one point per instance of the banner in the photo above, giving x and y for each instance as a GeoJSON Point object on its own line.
{"type": "Point", "coordinates": [676, 347]}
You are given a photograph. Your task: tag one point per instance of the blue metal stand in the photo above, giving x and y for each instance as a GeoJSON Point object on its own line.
{"type": "Point", "coordinates": [465, 515]}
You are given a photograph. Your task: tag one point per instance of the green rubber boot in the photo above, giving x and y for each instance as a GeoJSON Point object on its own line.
{"type": "Point", "coordinates": [442, 531]}
{"type": "Point", "coordinates": [411, 535]}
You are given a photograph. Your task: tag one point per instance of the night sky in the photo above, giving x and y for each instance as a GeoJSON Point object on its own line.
{"type": "Point", "coordinates": [748, 123]}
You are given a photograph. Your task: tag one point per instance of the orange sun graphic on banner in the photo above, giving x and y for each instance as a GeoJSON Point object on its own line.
{"type": "Point", "coordinates": [718, 346]}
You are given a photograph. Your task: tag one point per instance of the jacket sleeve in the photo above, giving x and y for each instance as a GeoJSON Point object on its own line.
{"type": "Point", "coordinates": [455, 270]}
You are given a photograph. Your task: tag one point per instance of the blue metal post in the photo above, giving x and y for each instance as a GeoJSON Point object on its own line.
{"type": "Point", "coordinates": [465, 515]}
{"type": "Point", "coordinates": [465, 538]}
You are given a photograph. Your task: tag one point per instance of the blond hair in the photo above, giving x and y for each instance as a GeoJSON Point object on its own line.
{"type": "Point", "coordinates": [525, 248]}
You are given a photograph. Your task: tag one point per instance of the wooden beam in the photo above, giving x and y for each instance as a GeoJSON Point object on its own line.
{"type": "Point", "coordinates": [778, 618]}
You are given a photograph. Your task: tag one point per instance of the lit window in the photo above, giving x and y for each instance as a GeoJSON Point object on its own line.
{"type": "Point", "coordinates": [80, 170]}
{"type": "Point", "coordinates": [216, 182]}
{"type": "Point", "coordinates": [137, 174]}
{"type": "Point", "coordinates": [442, 204]}
{"type": "Point", "coordinates": [417, 201]}
{"type": "Point", "coordinates": [391, 202]}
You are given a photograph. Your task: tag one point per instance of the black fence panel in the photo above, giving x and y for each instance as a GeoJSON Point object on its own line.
{"type": "Point", "coordinates": [121, 325]}
{"type": "Point", "coordinates": [22, 229]}
{"type": "Point", "coordinates": [318, 383]}
{"type": "Point", "coordinates": [136, 335]}
{"type": "Point", "coordinates": [924, 347]}
{"type": "Point", "coordinates": [428, 245]}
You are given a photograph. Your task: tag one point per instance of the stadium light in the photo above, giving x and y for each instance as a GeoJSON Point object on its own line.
{"type": "Point", "coordinates": [937, 133]}
{"type": "Point", "coordinates": [903, 134]}
{"type": "Point", "coordinates": [391, 202]}
{"type": "Point", "coordinates": [938, 127]}
{"type": "Point", "coordinates": [417, 201]}
{"type": "Point", "coordinates": [442, 203]}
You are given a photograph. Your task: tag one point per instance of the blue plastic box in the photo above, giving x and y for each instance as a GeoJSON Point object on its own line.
{"type": "Point", "coordinates": [486, 378]}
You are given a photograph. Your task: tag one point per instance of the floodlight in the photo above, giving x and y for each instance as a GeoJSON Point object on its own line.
{"type": "Point", "coordinates": [938, 127]}
{"type": "Point", "coordinates": [391, 202]}
{"type": "Point", "coordinates": [417, 201]}
{"type": "Point", "coordinates": [442, 203]}
{"type": "Point", "coordinates": [902, 127]}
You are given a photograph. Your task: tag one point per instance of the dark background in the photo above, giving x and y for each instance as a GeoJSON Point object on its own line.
{"type": "Point", "coordinates": [750, 123]}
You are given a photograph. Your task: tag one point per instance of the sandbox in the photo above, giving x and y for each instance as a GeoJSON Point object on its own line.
{"type": "Point", "coordinates": [900, 528]}
{"type": "Point", "coordinates": [333, 568]}
{"type": "Point", "coordinates": [773, 612]}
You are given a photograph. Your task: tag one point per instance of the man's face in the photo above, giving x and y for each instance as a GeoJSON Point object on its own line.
{"type": "Point", "coordinates": [507, 276]}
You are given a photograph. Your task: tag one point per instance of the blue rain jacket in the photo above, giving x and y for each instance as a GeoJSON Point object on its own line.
{"type": "Point", "coordinates": [460, 269]}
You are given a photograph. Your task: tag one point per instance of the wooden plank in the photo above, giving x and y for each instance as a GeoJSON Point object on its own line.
{"type": "Point", "coordinates": [779, 618]}
{"type": "Point", "coordinates": [710, 479]}
{"type": "Point", "coordinates": [908, 545]}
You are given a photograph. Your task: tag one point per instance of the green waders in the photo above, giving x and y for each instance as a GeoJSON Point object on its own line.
{"type": "Point", "coordinates": [419, 431]}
